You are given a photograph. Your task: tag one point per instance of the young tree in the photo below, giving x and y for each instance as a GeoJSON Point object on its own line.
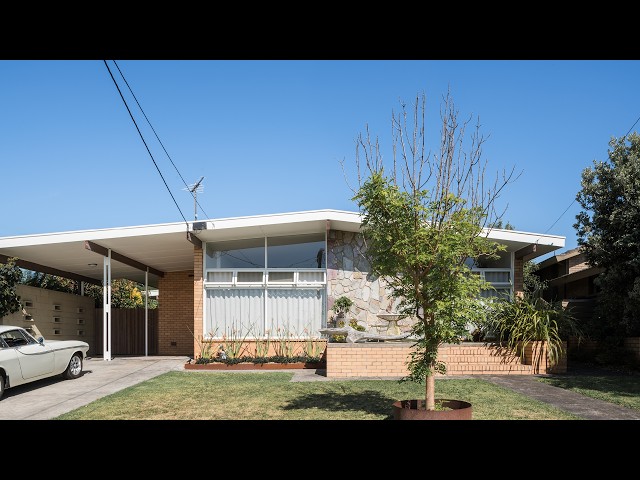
{"type": "Point", "coordinates": [423, 217]}
{"type": "Point", "coordinates": [10, 275]}
{"type": "Point", "coordinates": [608, 233]}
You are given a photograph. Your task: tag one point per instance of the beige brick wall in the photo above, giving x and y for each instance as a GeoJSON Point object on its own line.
{"type": "Point", "coordinates": [390, 359]}
{"type": "Point", "coordinates": [198, 299]}
{"type": "Point", "coordinates": [176, 308]}
{"type": "Point", "coordinates": [57, 315]}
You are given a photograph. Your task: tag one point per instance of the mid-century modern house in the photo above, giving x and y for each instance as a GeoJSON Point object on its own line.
{"type": "Point", "coordinates": [248, 274]}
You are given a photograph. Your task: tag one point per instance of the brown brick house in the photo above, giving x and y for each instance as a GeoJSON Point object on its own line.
{"type": "Point", "coordinates": [570, 280]}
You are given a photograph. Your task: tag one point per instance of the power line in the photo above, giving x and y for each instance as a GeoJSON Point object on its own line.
{"type": "Point", "coordinates": [632, 127]}
{"type": "Point", "coordinates": [574, 201]}
{"type": "Point", "coordinates": [157, 137]}
{"type": "Point", "coordinates": [145, 143]}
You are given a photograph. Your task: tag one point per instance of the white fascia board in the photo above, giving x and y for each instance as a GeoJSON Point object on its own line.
{"type": "Point", "coordinates": [98, 234]}
{"type": "Point", "coordinates": [525, 237]}
{"type": "Point", "coordinates": [284, 218]}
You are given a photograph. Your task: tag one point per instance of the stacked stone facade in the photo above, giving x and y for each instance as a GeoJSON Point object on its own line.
{"type": "Point", "coordinates": [349, 274]}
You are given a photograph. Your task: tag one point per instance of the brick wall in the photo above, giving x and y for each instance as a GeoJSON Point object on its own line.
{"type": "Point", "coordinates": [389, 359]}
{"type": "Point", "coordinates": [198, 299]}
{"type": "Point", "coordinates": [176, 308]}
{"type": "Point", "coordinates": [518, 277]}
{"type": "Point", "coordinates": [577, 263]}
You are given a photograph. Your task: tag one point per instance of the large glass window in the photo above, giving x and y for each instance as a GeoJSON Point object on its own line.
{"type": "Point", "coordinates": [246, 295]}
{"type": "Point", "coordinates": [247, 253]}
{"type": "Point", "coordinates": [299, 251]}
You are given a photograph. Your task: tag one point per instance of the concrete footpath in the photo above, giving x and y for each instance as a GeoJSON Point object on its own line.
{"type": "Point", "coordinates": [49, 398]}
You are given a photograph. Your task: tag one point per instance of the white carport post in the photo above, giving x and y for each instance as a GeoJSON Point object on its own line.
{"type": "Point", "coordinates": [106, 307]}
{"type": "Point", "coordinates": [146, 312]}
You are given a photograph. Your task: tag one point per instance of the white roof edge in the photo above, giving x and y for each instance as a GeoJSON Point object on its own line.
{"type": "Point", "coordinates": [526, 237]}
{"type": "Point", "coordinates": [289, 217]}
{"type": "Point", "coordinates": [176, 227]}
{"type": "Point", "coordinates": [246, 221]}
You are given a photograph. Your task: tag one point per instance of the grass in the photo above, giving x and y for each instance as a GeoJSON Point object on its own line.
{"type": "Point", "coordinates": [620, 389]}
{"type": "Point", "coordinates": [271, 396]}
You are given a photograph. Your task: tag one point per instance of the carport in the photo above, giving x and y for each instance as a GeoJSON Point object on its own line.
{"type": "Point", "coordinates": [142, 254]}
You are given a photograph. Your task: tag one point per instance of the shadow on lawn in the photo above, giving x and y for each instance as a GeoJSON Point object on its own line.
{"type": "Point", "coordinates": [368, 401]}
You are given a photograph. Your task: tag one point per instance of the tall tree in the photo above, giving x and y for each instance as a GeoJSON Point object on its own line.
{"type": "Point", "coordinates": [608, 234]}
{"type": "Point", "coordinates": [423, 217]}
{"type": "Point", "coordinates": [10, 275]}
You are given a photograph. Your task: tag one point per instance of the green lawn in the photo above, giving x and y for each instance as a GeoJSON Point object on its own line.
{"type": "Point", "coordinates": [619, 389]}
{"type": "Point", "coordinates": [271, 396]}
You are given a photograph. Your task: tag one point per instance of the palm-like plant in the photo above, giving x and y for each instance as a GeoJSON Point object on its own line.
{"type": "Point", "coordinates": [530, 318]}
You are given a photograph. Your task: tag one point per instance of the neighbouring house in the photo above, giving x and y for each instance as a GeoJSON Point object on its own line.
{"type": "Point", "coordinates": [245, 276]}
{"type": "Point", "coordinates": [570, 279]}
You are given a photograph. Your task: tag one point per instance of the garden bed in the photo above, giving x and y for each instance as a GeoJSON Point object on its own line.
{"type": "Point", "coordinates": [254, 366]}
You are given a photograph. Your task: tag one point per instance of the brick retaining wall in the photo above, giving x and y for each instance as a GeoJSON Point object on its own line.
{"type": "Point", "coordinates": [389, 359]}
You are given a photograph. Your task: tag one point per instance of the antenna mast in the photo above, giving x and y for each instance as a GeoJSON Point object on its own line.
{"type": "Point", "coordinates": [194, 189]}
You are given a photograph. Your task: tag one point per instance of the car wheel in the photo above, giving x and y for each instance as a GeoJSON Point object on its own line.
{"type": "Point", "coordinates": [1, 385]}
{"type": "Point", "coordinates": [74, 369]}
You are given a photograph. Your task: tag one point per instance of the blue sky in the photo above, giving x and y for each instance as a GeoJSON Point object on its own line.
{"type": "Point", "coordinates": [268, 135]}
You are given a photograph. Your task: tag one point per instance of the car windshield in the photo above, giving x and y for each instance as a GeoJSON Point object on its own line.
{"type": "Point", "coordinates": [17, 338]}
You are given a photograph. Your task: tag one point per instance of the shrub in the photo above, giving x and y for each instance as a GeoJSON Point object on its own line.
{"type": "Point", "coordinates": [529, 319]}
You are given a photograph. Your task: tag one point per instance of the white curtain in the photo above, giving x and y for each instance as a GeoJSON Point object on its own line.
{"type": "Point", "coordinates": [298, 312]}
{"type": "Point", "coordinates": [235, 311]}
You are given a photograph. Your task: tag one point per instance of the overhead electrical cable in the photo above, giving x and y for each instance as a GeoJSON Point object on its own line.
{"type": "Point", "coordinates": [574, 200]}
{"type": "Point", "coordinates": [158, 138]}
{"type": "Point", "coordinates": [145, 143]}
{"type": "Point", "coordinates": [632, 127]}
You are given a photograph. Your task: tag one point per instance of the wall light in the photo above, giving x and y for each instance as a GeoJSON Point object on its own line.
{"type": "Point", "coordinates": [92, 264]}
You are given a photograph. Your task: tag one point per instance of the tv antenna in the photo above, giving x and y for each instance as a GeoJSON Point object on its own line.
{"type": "Point", "coordinates": [194, 189]}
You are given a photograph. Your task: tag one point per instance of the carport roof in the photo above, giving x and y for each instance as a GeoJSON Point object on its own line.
{"type": "Point", "coordinates": [167, 248]}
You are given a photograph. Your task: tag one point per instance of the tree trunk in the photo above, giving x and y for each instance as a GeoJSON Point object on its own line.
{"type": "Point", "coordinates": [431, 392]}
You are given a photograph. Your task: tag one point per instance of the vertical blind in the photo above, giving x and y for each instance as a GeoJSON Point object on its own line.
{"type": "Point", "coordinates": [296, 312]}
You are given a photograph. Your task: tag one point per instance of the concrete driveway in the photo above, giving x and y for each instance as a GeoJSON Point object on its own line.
{"type": "Point", "coordinates": [48, 398]}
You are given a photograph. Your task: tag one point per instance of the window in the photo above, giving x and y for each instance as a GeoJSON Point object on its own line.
{"type": "Point", "coordinates": [247, 253]}
{"type": "Point", "coordinates": [220, 277]}
{"type": "Point", "coordinates": [498, 272]}
{"type": "Point", "coordinates": [17, 338]}
{"type": "Point", "coordinates": [260, 284]}
{"type": "Point", "coordinates": [299, 251]}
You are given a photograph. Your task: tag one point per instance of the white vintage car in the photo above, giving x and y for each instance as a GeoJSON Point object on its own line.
{"type": "Point", "coordinates": [24, 359]}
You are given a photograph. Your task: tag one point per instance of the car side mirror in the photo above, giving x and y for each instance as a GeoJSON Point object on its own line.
{"type": "Point", "coordinates": [41, 340]}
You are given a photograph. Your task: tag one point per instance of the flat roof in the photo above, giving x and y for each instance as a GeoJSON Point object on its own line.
{"type": "Point", "coordinates": [166, 248]}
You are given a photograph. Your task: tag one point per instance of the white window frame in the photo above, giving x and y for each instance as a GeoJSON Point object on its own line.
{"type": "Point", "coordinates": [499, 285]}
{"type": "Point", "coordinates": [265, 285]}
